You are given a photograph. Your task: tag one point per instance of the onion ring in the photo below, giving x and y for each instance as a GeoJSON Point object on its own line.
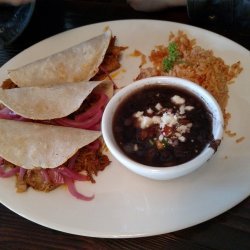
{"type": "Point", "coordinates": [83, 124]}
{"type": "Point", "coordinates": [74, 192]}
{"type": "Point", "coordinates": [10, 173]}
{"type": "Point", "coordinates": [102, 101]}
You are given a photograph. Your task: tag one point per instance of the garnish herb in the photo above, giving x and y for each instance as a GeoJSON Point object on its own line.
{"type": "Point", "coordinates": [173, 56]}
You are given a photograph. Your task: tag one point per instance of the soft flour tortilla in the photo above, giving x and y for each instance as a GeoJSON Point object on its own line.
{"type": "Point", "coordinates": [75, 64]}
{"type": "Point", "coordinates": [31, 145]}
{"type": "Point", "coordinates": [45, 103]}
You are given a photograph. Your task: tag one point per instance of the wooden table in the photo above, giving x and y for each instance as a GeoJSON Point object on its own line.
{"type": "Point", "coordinates": [230, 230]}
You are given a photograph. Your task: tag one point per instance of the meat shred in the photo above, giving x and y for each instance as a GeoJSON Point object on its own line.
{"type": "Point", "coordinates": [111, 61]}
{"type": "Point", "coordinates": [88, 161]}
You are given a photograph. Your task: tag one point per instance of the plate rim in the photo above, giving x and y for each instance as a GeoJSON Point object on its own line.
{"type": "Point", "coordinates": [110, 235]}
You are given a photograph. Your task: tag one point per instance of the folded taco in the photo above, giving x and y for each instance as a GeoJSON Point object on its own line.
{"type": "Point", "coordinates": [50, 134]}
{"type": "Point", "coordinates": [56, 101]}
{"type": "Point", "coordinates": [91, 59]}
{"type": "Point", "coordinates": [46, 156]}
{"type": "Point", "coordinates": [33, 145]}
{"type": "Point", "coordinates": [77, 63]}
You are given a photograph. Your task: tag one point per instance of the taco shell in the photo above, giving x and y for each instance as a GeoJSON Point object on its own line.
{"type": "Point", "coordinates": [30, 145]}
{"type": "Point", "coordinates": [51, 102]}
{"type": "Point", "coordinates": [75, 64]}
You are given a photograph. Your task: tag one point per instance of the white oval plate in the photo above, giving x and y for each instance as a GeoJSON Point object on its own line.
{"type": "Point", "coordinates": [128, 205]}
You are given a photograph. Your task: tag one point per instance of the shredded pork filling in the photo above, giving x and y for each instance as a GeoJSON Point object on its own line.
{"type": "Point", "coordinates": [88, 162]}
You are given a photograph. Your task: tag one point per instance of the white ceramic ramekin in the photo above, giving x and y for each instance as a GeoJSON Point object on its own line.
{"type": "Point", "coordinates": [162, 173]}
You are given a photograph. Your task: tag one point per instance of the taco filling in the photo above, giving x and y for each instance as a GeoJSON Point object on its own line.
{"type": "Point", "coordinates": [93, 60]}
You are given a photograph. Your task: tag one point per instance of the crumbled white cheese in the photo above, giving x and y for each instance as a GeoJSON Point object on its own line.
{"type": "Point", "coordinates": [183, 129]}
{"type": "Point", "coordinates": [150, 111]}
{"type": "Point", "coordinates": [158, 106]}
{"type": "Point", "coordinates": [156, 119]}
{"type": "Point", "coordinates": [182, 109]}
{"type": "Point", "coordinates": [161, 137]}
{"type": "Point", "coordinates": [182, 138]}
{"type": "Point", "coordinates": [168, 119]}
{"type": "Point", "coordinates": [170, 141]}
{"type": "Point", "coordinates": [145, 122]}
{"type": "Point", "coordinates": [189, 108]}
{"type": "Point", "coordinates": [177, 135]}
{"type": "Point", "coordinates": [177, 100]}
{"type": "Point", "coordinates": [138, 114]}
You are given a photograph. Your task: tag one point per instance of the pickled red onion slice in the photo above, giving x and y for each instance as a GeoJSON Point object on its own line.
{"type": "Point", "coordinates": [87, 124]}
{"type": "Point", "coordinates": [102, 101]}
{"type": "Point", "coordinates": [6, 113]}
{"type": "Point", "coordinates": [96, 127]}
{"type": "Point", "coordinates": [45, 175]}
{"type": "Point", "coordinates": [95, 145]}
{"type": "Point", "coordinates": [71, 174]}
{"type": "Point", "coordinates": [55, 176]}
{"type": "Point", "coordinates": [5, 174]}
{"type": "Point", "coordinates": [72, 189]}
{"type": "Point", "coordinates": [22, 172]}
{"type": "Point", "coordinates": [72, 160]}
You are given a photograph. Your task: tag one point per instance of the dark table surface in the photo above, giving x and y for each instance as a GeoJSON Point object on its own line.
{"type": "Point", "coordinates": [230, 230]}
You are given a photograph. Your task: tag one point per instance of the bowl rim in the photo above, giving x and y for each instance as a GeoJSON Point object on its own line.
{"type": "Point", "coordinates": [160, 172]}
